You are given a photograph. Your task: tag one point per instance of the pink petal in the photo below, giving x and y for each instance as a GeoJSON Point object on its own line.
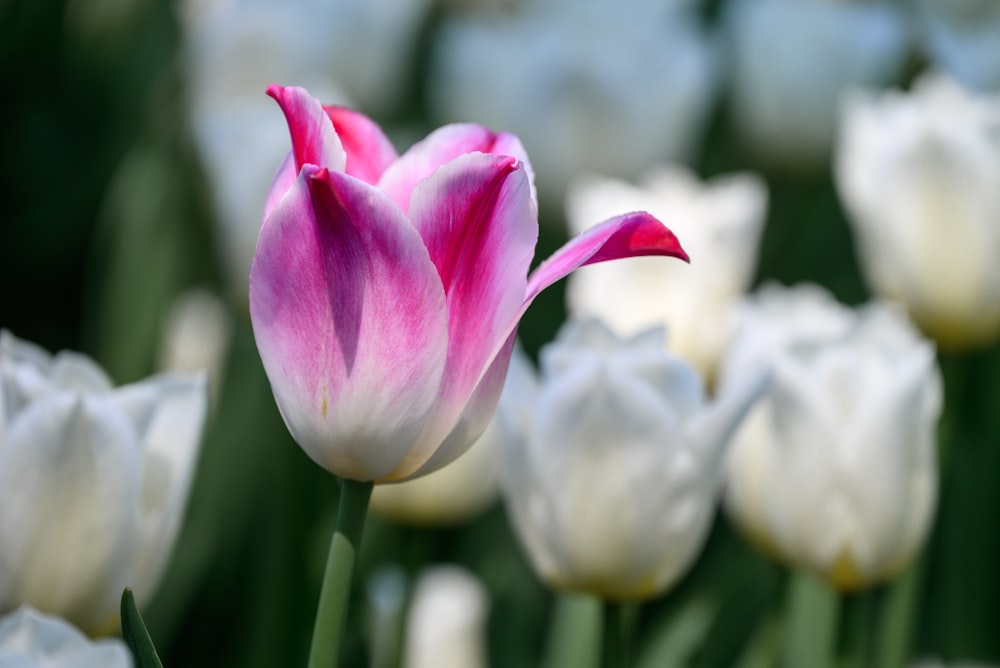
{"type": "Point", "coordinates": [351, 323]}
{"type": "Point", "coordinates": [441, 146]}
{"type": "Point", "coordinates": [314, 141]}
{"type": "Point", "coordinates": [477, 413]}
{"type": "Point", "coordinates": [282, 182]}
{"type": "Point", "coordinates": [477, 220]}
{"type": "Point", "coordinates": [629, 235]}
{"type": "Point", "coordinates": [369, 151]}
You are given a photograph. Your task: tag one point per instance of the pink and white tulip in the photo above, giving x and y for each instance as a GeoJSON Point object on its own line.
{"type": "Point", "coordinates": [386, 290]}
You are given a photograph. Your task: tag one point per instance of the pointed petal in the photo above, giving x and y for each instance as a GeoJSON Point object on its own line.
{"type": "Point", "coordinates": [476, 219]}
{"type": "Point", "coordinates": [630, 235]}
{"type": "Point", "coordinates": [314, 140]}
{"type": "Point", "coordinates": [350, 321]}
{"type": "Point", "coordinates": [369, 151]}
{"type": "Point", "coordinates": [442, 146]}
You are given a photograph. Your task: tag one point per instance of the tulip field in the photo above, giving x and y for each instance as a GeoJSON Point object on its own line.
{"type": "Point", "coordinates": [500, 334]}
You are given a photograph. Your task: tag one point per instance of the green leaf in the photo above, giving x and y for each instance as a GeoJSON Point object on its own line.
{"type": "Point", "coordinates": [136, 636]}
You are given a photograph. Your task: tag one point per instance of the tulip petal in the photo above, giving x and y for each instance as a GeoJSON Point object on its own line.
{"type": "Point", "coordinates": [171, 411]}
{"type": "Point", "coordinates": [72, 465]}
{"type": "Point", "coordinates": [350, 321]}
{"type": "Point", "coordinates": [630, 235]}
{"type": "Point", "coordinates": [314, 140]}
{"type": "Point", "coordinates": [280, 184]}
{"type": "Point", "coordinates": [442, 146]}
{"type": "Point", "coordinates": [476, 219]}
{"type": "Point", "coordinates": [476, 416]}
{"type": "Point", "coordinates": [369, 151]}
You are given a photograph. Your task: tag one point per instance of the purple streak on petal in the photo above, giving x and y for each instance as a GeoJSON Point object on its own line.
{"type": "Point", "coordinates": [350, 320]}
{"type": "Point", "coordinates": [314, 141]}
{"type": "Point", "coordinates": [369, 151]}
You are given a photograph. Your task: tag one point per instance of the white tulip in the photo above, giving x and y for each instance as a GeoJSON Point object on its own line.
{"type": "Point", "coordinates": [918, 173]}
{"type": "Point", "coordinates": [792, 60]}
{"type": "Point", "coordinates": [30, 639]}
{"type": "Point", "coordinates": [835, 469]}
{"type": "Point", "coordinates": [446, 627]}
{"type": "Point", "coordinates": [719, 222]}
{"type": "Point", "coordinates": [557, 75]}
{"type": "Point", "coordinates": [93, 481]}
{"type": "Point", "coordinates": [612, 470]}
{"type": "Point", "coordinates": [962, 37]}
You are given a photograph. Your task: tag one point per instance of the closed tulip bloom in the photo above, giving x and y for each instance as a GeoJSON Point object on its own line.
{"type": "Point", "coordinates": [918, 174]}
{"type": "Point", "coordinates": [386, 290]}
{"type": "Point", "coordinates": [791, 61]}
{"type": "Point", "coordinates": [93, 481]}
{"type": "Point", "coordinates": [720, 221]}
{"type": "Point", "coordinates": [834, 470]}
{"type": "Point", "coordinates": [30, 639]}
{"type": "Point", "coordinates": [612, 471]}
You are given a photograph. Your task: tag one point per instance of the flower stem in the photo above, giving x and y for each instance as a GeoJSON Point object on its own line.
{"type": "Point", "coordinates": [813, 616]}
{"type": "Point", "coordinates": [334, 595]}
{"type": "Point", "coordinates": [616, 642]}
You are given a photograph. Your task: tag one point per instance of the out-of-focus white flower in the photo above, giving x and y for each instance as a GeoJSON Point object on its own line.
{"type": "Point", "coordinates": [719, 223]}
{"type": "Point", "coordinates": [792, 60]}
{"type": "Point", "coordinates": [834, 470]}
{"type": "Point", "coordinates": [962, 37]}
{"type": "Point", "coordinates": [30, 639]}
{"type": "Point", "coordinates": [196, 336]}
{"type": "Point", "coordinates": [446, 627]}
{"type": "Point", "coordinates": [918, 174]}
{"type": "Point", "coordinates": [452, 495]}
{"type": "Point", "coordinates": [93, 481]}
{"type": "Point", "coordinates": [558, 75]}
{"type": "Point", "coordinates": [350, 52]}
{"type": "Point", "coordinates": [612, 470]}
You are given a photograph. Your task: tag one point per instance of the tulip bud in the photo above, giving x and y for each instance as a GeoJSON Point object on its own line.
{"type": "Point", "coordinates": [918, 174]}
{"type": "Point", "coordinates": [834, 470]}
{"type": "Point", "coordinates": [93, 481]}
{"type": "Point", "coordinates": [612, 469]}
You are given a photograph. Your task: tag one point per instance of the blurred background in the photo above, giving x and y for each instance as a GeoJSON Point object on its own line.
{"type": "Point", "coordinates": [137, 148]}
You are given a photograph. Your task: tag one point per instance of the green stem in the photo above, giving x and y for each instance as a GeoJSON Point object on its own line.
{"type": "Point", "coordinates": [616, 645]}
{"type": "Point", "coordinates": [812, 618]}
{"type": "Point", "coordinates": [898, 616]}
{"type": "Point", "coordinates": [573, 632]}
{"type": "Point", "coordinates": [334, 595]}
